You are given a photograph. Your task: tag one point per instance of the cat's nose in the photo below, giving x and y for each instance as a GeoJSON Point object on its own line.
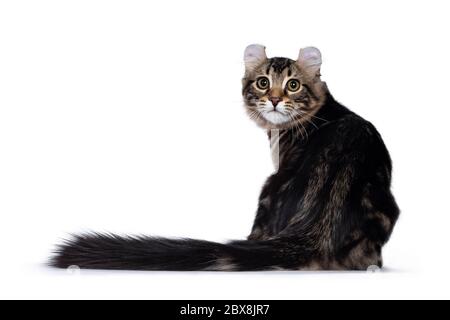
{"type": "Point", "coordinates": [275, 100]}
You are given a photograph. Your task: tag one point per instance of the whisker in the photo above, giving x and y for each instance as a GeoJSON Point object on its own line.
{"type": "Point", "coordinates": [306, 131]}
{"type": "Point", "coordinates": [306, 115]}
{"type": "Point", "coordinates": [297, 128]}
{"type": "Point", "coordinates": [313, 116]}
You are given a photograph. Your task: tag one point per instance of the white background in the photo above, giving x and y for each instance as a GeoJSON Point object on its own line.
{"type": "Point", "coordinates": [126, 116]}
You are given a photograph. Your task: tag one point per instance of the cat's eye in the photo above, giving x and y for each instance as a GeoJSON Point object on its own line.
{"type": "Point", "coordinates": [263, 83]}
{"type": "Point", "coordinates": [293, 85]}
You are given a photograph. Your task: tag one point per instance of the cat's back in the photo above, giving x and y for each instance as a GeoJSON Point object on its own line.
{"type": "Point", "coordinates": [344, 133]}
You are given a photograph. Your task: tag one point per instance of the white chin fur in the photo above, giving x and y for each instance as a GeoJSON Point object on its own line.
{"type": "Point", "coordinates": [275, 117]}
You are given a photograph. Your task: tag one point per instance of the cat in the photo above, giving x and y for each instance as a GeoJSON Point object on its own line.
{"type": "Point", "coordinates": [328, 206]}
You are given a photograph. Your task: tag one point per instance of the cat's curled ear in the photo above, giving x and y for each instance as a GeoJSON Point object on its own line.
{"type": "Point", "coordinates": [310, 60]}
{"type": "Point", "coordinates": [254, 56]}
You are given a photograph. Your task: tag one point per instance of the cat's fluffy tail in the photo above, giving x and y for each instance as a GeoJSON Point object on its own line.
{"type": "Point", "coordinates": [104, 251]}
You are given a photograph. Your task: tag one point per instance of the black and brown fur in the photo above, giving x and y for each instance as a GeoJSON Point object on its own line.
{"type": "Point", "coordinates": [328, 207]}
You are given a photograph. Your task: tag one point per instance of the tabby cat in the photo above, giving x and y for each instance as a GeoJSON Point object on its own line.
{"type": "Point", "coordinates": [328, 206]}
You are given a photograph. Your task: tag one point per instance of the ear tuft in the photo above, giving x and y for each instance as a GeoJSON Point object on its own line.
{"type": "Point", "coordinates": [255, 55]}
{"type": "Point", "coordinates": [310, 59]}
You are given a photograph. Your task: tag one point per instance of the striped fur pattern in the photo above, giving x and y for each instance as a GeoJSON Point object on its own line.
{"type": "Point", "coordinates": [327, 207]}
